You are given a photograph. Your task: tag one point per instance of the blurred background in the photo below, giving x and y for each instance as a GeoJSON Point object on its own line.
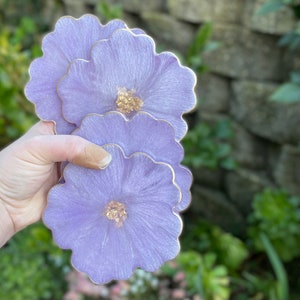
{"type": "Point", "coordinates": [241, 239]}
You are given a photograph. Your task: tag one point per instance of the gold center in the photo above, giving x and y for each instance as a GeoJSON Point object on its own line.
{"type": "Point", "coordinates": [127, 102]}
{"type": "Point", "coordinates": [116, 211]}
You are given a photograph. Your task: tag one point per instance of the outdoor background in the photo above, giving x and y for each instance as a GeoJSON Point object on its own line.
{"type": "Point", "coordinates": [242, 231]}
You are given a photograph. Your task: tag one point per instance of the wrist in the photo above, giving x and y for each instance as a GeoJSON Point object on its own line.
{"type": "Point", "coordinates": [6, 225]}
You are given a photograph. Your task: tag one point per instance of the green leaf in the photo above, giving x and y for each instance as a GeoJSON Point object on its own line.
{"type": "Point", "coordinates": [286, 39]}
{"type": "Point", "coordinates": [223, 129]}
{"type": "Point", "coordinates": [269, 7]}
{"type": "Point", "coordinates": [295, 42]}
{"type": "Point", "coordinates": [223, 150]}
{"type": "Point", "coordinates": [282, 287]}
{"type": "Point", "coordinates": [276, 214]}
{"type": "Point", "coordinates": [229, 163]}
{"type": "Point", "coordinates": [195, 61]}
{"type": "Point", "coordinates": [287, 93]}
{"type": "Point", "coordinates": [207, 145]}
{"type": "Point", "coordinates": [108, 11]}
{"type": "Point", "coordinates": [200, 41]}
{"type": "Point", "coordinates": [204, 276]}
{"type": "Point", "coordinates": [28, 25]}
{"type": "Point", "coordinates": [211, 46]}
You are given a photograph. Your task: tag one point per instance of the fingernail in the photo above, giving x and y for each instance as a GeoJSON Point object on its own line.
{"type": "Point", "coordinates": [105, 161]}
{"type": "Point", "coordinates": [95, 157]}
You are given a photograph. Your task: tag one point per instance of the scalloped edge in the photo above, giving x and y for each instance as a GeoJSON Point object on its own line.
{"type": "Point", "coordinates": [157, 120]}
{"type": "Point", "coordinates": [155, 54]}
{"type": "Point", "coordinates": [176, 214]}
{"type": "Point", "coordinates": [51, 33]}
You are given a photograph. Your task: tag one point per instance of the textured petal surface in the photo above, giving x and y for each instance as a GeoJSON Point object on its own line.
{"type": "Point", "coordinates": [71, 39]}
{"type": "Point", "coordinates": [141, 133]}
{"type": "Point", "coordinates": [129, 61]}
{"type": "Point", "coordinates": [149, 234]}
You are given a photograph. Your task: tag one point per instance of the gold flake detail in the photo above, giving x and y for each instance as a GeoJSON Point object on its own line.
{"type": "Point", "coordinates": [127, 101]}
{"type": "Point", "coordinates": [116, 211]}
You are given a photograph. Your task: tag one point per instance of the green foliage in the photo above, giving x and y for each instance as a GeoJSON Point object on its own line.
{"type": "Point", "coordinates": [12, 11]}
{"type": "Point", "coordinates": [270, 6]}
{"type": "Point", "coordinates": [288, 92]}
{"type": "Point", "coordinates": [275, 5]}
{"type": "Point", "coordinates": [204, 237]}
{"type": "Point", "coordinates": [274, 232]}
{"type": "Point", "coordinates": [108, 12]}
{"type": "Point", "coordinates": [209, 146]}
{"type": "Point", "coordinates": [201, 44]}
{"type": "Point", "coordinates": [277, 215]}
{"type": "Point", "coordinates": [203, 276]}
{"type": "Point", "coordinates": [16, 113]}
{"type": "Point", "coordinates": [292, 38]}
{"type": "Point", "coordinates": [254, 287]}
{"type": "Point", "coordinates": [280, 290]}
{"type": "Point", "coordinates": [262, 285]}
{"type": "Point", "coordinates": [32, 267]}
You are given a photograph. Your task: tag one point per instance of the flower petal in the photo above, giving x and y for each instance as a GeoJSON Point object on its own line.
{"type": "Point", "coordinates": [71, 39]}
{"type": "Point", "coordinates": [129, 61]}
{"type": "Point", "coordinates": [105, 251]}
{"type": "Point", "coordinates": [112, 257]}
{"type": "Point", "coordinates": [142, 132]}
{"type": "Point", "coordinates": [153, 240]}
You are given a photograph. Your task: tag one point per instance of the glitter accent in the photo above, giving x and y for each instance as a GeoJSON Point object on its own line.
{"type": "Point", "coordinates": [116, 211]}
{"type": "Point", "coordinates": [127, 102]}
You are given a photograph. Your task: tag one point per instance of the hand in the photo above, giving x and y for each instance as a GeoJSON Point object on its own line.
{"type": "Point", "coordinates": [29, 168]}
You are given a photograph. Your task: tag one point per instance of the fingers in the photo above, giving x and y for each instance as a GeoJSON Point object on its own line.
{"type": "Point", "coordinates": [7, 228]}
{"type": "Point", "coordinates": [92, 156]}
{"type": "Point", "coordinates": [40, 128]}
{"type": "Point", "coordinates": [45, 149]}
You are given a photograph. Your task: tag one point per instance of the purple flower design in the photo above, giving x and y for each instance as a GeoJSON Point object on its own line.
{"type": "Point", "coordinates": [125, 74]}
{"type": "Point", "coordinates": [117, 219]}
{"type": "Point", "coordinates": [141, 133]}
{"type": "Point", "coordinates": [71, 39]}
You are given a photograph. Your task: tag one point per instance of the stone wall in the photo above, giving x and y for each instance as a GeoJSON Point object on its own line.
{"type": "Point", "coordinates": [244, 71]}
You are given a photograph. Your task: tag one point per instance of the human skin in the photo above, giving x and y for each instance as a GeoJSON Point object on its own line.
{"type": "Point", "coordinates": [29, 167]}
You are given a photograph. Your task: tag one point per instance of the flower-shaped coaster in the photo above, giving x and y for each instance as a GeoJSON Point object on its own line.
{"type": "Point", "coordinates": [71, 39]}
{"type": "Point", "coordinates": [141, 133]}
{"type": "Point", "coordinates": [107, 84]}
{"type": "Point", "coordinates": [118, 219]}
{"type": "Point", "coordinates": [88, 67]}
{"type": "Point", "coordinates": [125, 74]}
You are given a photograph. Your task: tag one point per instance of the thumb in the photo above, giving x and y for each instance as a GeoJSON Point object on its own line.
{"type": "Point", "coordinates": [45, 149]}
